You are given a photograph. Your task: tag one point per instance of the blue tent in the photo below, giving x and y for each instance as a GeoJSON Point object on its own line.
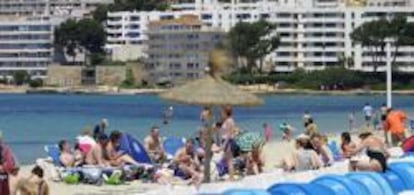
{"type": "Point", "coordinates": [134, 148]}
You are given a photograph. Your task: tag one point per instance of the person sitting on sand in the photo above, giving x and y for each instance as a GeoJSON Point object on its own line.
{"type": "Point", "coordinates": [95, 155]}
{"type": "Point", "coordinates": [347, 145]}
{"type": "Point", "coordinates": [153, 146]}
{"type": "Point", "coordinates": [188, 166]}
{"type": "Point", "coordinates": [112, 156]}
{"type": "Point", "coordinates": [67, 158]}
{"type": "Point", "coordinates": [34, 184]}
{"type": "Point", "coordinates": [85, 141]}
{"type": "Point", "coordinates": [376, 151]}
{"type": "Point", "coordinates": [320, 146]}
{"type": "Point", "coordinates": [311, 128]}
{"type": "Point", "coordinates": [304, 157]}
{"type": "Point", "coordinates": [255, 160]}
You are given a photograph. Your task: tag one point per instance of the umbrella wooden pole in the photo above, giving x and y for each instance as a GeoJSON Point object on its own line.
{"type": "Point", "coordinates": [207, 149]}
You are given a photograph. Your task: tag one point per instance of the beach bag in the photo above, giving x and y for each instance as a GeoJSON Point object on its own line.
{"type": "Point", "coordinates": [92, 176]}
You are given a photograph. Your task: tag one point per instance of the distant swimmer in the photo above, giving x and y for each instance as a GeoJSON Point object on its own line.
{"type": "Point", "coordinates": [167, 115]}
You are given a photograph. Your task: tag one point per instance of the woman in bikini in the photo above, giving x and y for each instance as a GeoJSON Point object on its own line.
{"type": "Point", "coordinates": [375, 149]}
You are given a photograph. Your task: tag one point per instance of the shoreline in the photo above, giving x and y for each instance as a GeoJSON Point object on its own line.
{"type": "Point", "coordinates": [256, 89]}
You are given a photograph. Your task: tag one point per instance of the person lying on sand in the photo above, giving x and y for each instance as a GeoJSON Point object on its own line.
{"type": "Point", "coordinates": [67, 158]}
{"type": "Point", "coordinates": [187, 163]}
{"type": "Point", "coordinates": [112, 156]}
{"type": "Point", "coordinates": [153, 146]}
{"type": "Point", "coordinates": [375, 150]}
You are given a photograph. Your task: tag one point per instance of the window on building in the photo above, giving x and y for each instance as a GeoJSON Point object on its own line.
{"type": "Point", "coordinates": [206, 16]}
{"type": "Point", "coordinates": [134, 18]}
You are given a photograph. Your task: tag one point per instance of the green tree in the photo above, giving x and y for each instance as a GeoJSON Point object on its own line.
{"type": "Point", "coordinates": [100, 13]}
{"type": "Point", "coordinates": [129, 79]}
{"type": "Point", "coordinates": [252, 42]}
{"type": "Point", "coordinates": [373, 35]}
{"type": "Point", "coordinates": [91, 35]}
{"type": "Point", "coordinates": [67, 37]}
{"type": "Point", "coordinates": [21, 77]}
{"type": "Point", "coordinates": [86, 34]}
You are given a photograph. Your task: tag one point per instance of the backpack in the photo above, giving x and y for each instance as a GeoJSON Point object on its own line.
{"type": "Point", "coordinates": [92, 176]}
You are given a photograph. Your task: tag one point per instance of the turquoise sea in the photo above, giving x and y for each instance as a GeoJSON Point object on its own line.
{"type": "Point", "coordinates": [29, 122]}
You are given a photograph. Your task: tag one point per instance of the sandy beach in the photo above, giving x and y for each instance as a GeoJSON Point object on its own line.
{"type": "Point", "coordinates": [274, 151]}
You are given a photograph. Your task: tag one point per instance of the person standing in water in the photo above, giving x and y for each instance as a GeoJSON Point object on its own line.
{"type": "Point", "coordinates": [306, 116]}
{"type": "Point", "coordinates": [267, 132]}
{"type": "Point", "coordinates": [351, 120]}
{"type": "Point", "coordinates": [167, 115]}
{"type": "Point", "coordinates": [368, 111]}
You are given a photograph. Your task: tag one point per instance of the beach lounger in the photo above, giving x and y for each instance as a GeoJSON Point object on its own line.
{"type": "Point", "coordinates": [54, 154]}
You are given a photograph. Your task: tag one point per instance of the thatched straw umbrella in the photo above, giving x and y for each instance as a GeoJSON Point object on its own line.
{"type": "Point", "coordinates": [211, 91]}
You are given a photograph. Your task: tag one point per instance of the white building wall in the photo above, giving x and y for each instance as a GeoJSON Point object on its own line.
{"type": "Point", "coordinates": [313, 33]}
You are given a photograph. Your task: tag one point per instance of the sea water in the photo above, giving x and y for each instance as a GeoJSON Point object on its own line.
{"type": "Point", "coordinates": [29, 122]}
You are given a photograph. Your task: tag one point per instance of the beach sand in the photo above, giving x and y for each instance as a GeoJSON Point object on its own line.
{"type": "Point", "coordinates": [274, 151]}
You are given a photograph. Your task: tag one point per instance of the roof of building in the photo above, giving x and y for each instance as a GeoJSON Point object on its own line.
{"type": "Point", "coordinates": [188, 20]}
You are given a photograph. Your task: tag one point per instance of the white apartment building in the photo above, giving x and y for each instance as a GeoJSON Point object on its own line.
{"type": "Point", "coordinates": [314, 33]}
{"type": "Point", "coordinates": [25, 44]}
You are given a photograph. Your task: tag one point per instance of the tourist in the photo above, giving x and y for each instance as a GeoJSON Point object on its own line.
{"type": "Point", "coordinates": [100, 128]}
{"type": "Point", "coordinates": [7, 166]}
{"type": "Point", "coordinates": [95, 155]}
{"type": "Point", "coordinates": [267, 132]}
{"type": "Point", "coordinates": [85, 142]}
{"type": "Point", "coordinates": [375, 150]}
{"type": "Point", "coordinates": [376, 121]}
{"type": "Point", "coordinates": [310, 128]}
{"type": "Point", "coordinates": [206, 115]}
{"type": "Point", "coordinates": [347, 145]}
{"type": "Point", "coordinates": [187, 164]}
{"type": "Point", "coordinates": [114, 157]}
{"type": "Point", "coordinates": [320, 146]}
{"type": "Point", "coordinates": [153, 145]}
{"type": "Point", "coordinates": [384, 110]}
{"type": "Point", "coordinates": [306, 116]}
{"type": "Point", "coordinates": [304, 157]}
{"type": "Point", "coordinates": [287, 131]}
{"type": "Point", "coordinates": [255, 160]}
{"type": "Point", "coordinates": [34, 184]}
{"type": "Point", "coordinates": [395, 125]}
{"type": "Point", "coordinates": [368, 111]}
{"type": "Point", "coordinates": [167, 115]}
{"type": "Point", "coordinates": [66, 158]}
{"type": "Point", "coordinates": [351, 121]}
{"type": "Point", "coordinates": [227, 133]}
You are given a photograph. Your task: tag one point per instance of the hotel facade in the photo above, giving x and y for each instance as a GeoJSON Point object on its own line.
{"type": "Point", "coordinates": [314, 34]}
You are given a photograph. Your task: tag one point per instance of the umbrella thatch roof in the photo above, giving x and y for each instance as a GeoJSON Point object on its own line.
{"type": "Point", "coordinates": [211, 91]}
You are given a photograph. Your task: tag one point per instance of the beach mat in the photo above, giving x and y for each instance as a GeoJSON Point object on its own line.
{"type": "Point", "coordinates": [134, 148]}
